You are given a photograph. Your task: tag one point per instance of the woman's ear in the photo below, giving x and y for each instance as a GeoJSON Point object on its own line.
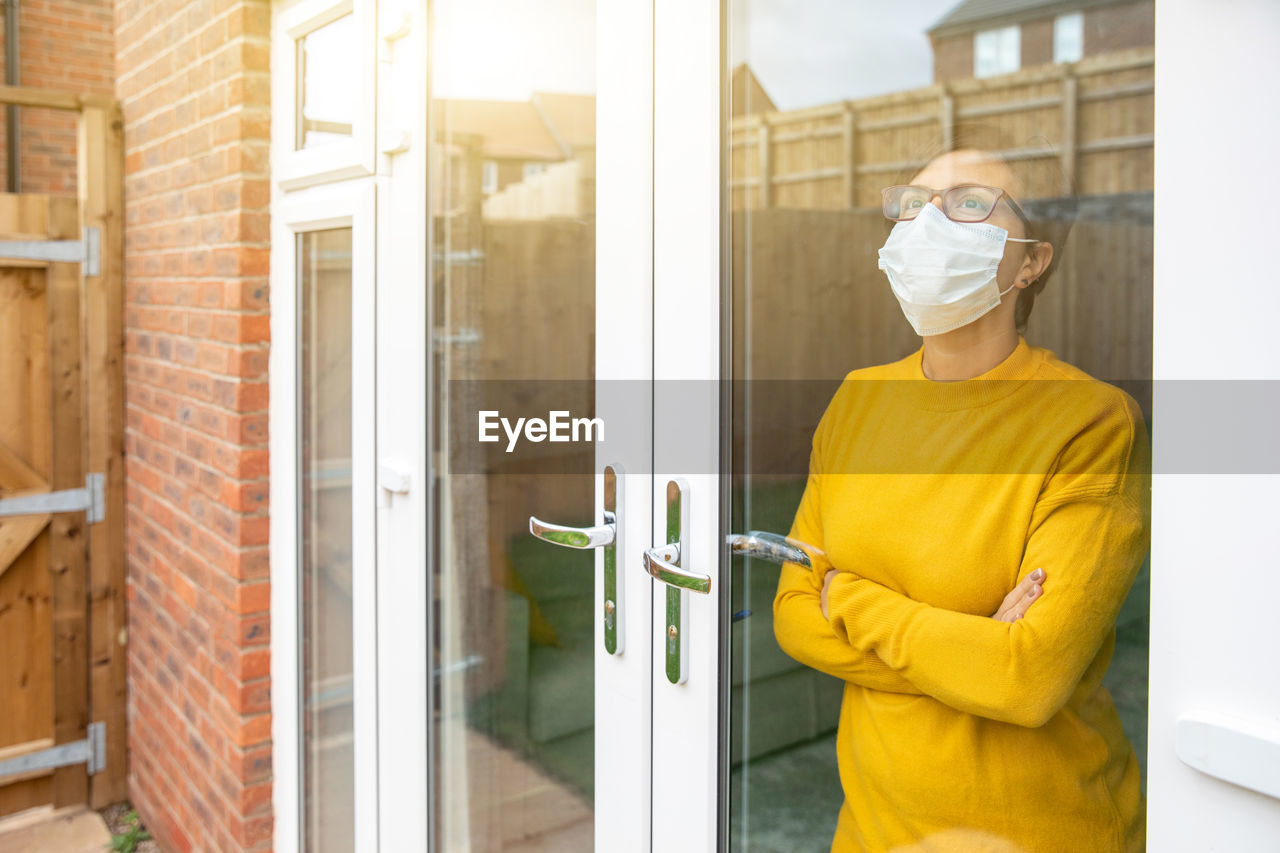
{"type": "Point", "coordinates": [1038, 258]}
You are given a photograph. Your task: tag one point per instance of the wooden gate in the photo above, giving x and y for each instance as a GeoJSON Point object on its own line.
{"type": "Point", "coordinates": [62, 603]}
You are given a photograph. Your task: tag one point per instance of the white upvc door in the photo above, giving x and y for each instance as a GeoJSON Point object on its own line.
{"type": "Point", "coordinates": [1214, 777]}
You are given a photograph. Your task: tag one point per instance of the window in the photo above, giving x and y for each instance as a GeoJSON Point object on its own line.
{"type": "Point", "coordinates": [1068, 37]}
{"type": "Point", "coordinates": [531, 169]}
{"type": "Point", "coordinates": [997, 51]}
{"type": "Point", "coordinates": [489, 177]}
{"type": "Point", "coordinates": [322, 91]}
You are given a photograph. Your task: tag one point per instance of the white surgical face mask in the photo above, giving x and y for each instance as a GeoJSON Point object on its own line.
{"type": "Point", "coordinates": [943, 272]}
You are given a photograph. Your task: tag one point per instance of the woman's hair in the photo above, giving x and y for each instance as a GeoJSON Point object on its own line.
{"type": "Point", "coordinates": [1050, 209]}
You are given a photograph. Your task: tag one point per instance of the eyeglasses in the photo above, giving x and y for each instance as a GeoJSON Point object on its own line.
{"type": "Point", "coordinates": [961, 203]}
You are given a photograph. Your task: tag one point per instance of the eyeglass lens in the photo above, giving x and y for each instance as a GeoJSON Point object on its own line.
{"type": "Point", "coordinates": [965, 203]}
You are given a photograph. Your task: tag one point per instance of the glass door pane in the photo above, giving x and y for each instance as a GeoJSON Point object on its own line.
{"type": "Point", "coordinates": [325, 532]}
{"type": "Point", "coordinates": [827, 731]}
{"type": "Point", "coordinates": [512, 277]}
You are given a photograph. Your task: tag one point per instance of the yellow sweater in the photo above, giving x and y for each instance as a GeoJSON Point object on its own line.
{"type": "Point", "coordinates": [933, 500]}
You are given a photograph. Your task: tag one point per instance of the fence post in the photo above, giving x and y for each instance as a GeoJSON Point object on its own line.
{"type": "Point", "coordinates": [766, 165]}
{"type": "Point", "coordinates": [1069, 101]}
{"type": "Point", "coordinates": [947, 117]}
{"type": "Point", "coordinates": [100, 168]}
{"type": "Point", "coordinates": [850, 187]}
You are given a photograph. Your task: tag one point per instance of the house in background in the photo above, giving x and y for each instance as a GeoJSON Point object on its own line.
{"type": "Point", "coordinates": [519, 139]}
{"type": "Point", "coordinates": [982, 38]}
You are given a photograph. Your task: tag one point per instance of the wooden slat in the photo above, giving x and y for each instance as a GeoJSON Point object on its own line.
{"type": "Point", "coordinates": [766, 167]}
{"type": "Point", "coordinates": [16, 535]}
{"type": "Point", "coordinates": [18, 750]}
{"type": "Point", "coordinates": [26, 668]}
{"type": "Point", "coordinates": [67, 529]}
{"type": "Point", "coordinates": [26, 96]}
{"type": "Point", "coordinates": [848, 158]}
{"type": "Point", "coordinates": [101, 188]}
{"type": "Point", "coordinates": [1070, 133]}
{"type": "Point", "coordinates": [16, 475]}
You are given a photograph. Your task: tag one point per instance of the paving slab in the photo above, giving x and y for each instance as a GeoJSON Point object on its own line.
{"type": "Point", "coordinates": [74, 829]}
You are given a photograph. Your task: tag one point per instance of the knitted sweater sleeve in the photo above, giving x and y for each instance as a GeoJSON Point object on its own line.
{"type": "Point", "coordinates": [1089, 530]}
{"type": "Point", "coordinates": [798, 624]}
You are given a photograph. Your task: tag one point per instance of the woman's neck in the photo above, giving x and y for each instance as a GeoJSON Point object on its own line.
{"type": "Point", "coordinates": [966, 352]}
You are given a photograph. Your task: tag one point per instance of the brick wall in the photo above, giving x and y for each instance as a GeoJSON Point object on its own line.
{"type": "Point", "coordinates": [192, 78]}
{"type": "Point", "coordinates": [1106, 28]}
{"type": "Point", "coordinates": [1119, 27]}
{"type": "Point", "coordinates": [952, 57]}
{"type": "Point", "coordinates": [66, 45]}
{"type": "Point", "coordinates": [1036, 42]}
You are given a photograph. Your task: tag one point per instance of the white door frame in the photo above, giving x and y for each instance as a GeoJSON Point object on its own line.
{"type": "Point", "coordinates": [673, 123]}
{"type": "Point", "coordinates": [347, 204]}
{"type": "Point", "coordinates": [624, 362]}
{"type": "Point", "coordinates": [687, 361]}
{"type": "Point", "coordinates": [1214, 651]}
{"type": "Point", "coordinates": [403, 437]}
{"type": "Point", "coordinates": [369, 184]}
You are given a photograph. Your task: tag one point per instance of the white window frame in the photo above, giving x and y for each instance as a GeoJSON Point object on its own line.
{"type": "Point", "coordinates": [1068, 30]}
{"type": "Point", "coordinates": [355, 157]}
{"type": "Point", "coordinates": [489, 177]}
{"type": "Point", "coordinates": [1006, 42]}
{"type": "Point", "coordinates": [331, 206]}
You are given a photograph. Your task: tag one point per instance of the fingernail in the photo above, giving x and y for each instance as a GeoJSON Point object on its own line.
{"type": "Point", "coordinates": [1038, 574]}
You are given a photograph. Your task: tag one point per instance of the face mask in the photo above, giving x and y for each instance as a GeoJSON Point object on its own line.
{"type": "Point", "coordinates": [943, 272]}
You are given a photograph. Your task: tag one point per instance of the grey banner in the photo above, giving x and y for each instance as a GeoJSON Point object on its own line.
{"type": "Point", "coordinates": [1030, 427]}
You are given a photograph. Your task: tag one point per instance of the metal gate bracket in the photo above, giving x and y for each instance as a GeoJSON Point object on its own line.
{"type": "Point", "coordinates": [90, 499]}
{"type": "Point", "coordinates": [92, 752]}
{"type": "Point", "coordinates": [84, 251]}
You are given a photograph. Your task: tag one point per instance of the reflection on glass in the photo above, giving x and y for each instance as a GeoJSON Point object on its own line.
{"type": "Point", "coordinates": [512, 201]}
{"type": "Point", "coordinates": [326, 96]}
{"type": "Point", "coordinates": [324, 287]}
{"type": "Point", "coordinates": [830, 104]}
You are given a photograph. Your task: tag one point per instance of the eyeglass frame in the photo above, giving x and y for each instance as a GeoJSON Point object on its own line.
{"type": "Point", "coordinates": [1000, 194]}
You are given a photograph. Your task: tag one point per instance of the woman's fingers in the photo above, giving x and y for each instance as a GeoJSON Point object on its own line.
{"type": "Point", "coordinates": [1021, 597]}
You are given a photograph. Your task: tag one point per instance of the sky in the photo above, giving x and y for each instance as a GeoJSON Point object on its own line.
{"type": "Point", "coordinates": [807, 52]}
{"type": "Point", "coordinates": [804, 52]}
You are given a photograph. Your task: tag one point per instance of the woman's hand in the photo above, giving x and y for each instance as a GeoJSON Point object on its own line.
{"type": "Point", "coordinates": [1013, 608]}
{"type": "Point", "coordinates": [1016, 603]}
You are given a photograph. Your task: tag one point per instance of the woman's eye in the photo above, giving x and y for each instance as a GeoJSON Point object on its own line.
{"type": "Point", "coordinates": [914, 203]}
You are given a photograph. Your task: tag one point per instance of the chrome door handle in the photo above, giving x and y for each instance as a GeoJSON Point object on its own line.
{"type": "Point", "coordinates": [772, 547]}
{"type": "Point", "coordinates": [582, 538]}
{"type": "Point", "coordinates": [664, 565]}
{"type": "Point", "coordinates": [607, 536]}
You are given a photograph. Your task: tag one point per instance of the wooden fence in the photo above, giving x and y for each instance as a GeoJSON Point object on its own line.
{"type": "Point", "coordinates": [810, 305]}
{"type": "Point", "coordinates": [1093, 117]}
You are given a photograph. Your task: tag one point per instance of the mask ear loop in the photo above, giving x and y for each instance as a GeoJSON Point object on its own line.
{"type": "Point", "coordinates": [1018, 240]}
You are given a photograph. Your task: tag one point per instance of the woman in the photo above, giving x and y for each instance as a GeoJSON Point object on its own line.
{"type": "Point", "coordinates": [983, 508]}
